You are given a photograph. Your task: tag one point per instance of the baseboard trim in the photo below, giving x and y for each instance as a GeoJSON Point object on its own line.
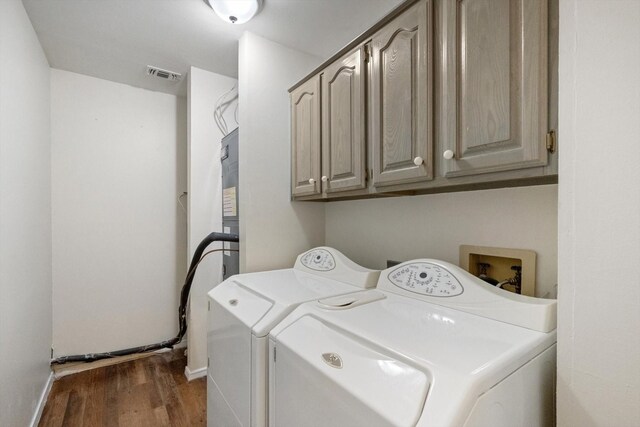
{"type": "Point", "coordinates": [76, 367]}
{"type": "Point", "coordinates": [42, 402]}
{"type": "Point", "coordinates": [195, 374]}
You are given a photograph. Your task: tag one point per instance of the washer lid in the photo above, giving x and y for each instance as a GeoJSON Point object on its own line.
{"type": "Point", "coordinates": [443, 340]}
{"type": "Point", "coordinates": [321, 371]}
{"type": "Point", "coordinates": [348, 301]}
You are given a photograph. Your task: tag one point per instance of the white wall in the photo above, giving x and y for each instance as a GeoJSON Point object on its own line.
{"type": "Point", "coordinates": [205, 198]}
{"type": "Point", "coordinates": [273, 230]}
{"type": "Point", "coordinates": [25, 217]}
{"type": "Point", "coordinates": [434, 226]}
{"type": "Point", "coordinates": [599, 215]}
{"type": "Point", "coordinates": [119, 236]}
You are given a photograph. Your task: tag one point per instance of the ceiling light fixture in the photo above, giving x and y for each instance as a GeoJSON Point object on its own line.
{"type": "Point", "coordinates": [235, 11]}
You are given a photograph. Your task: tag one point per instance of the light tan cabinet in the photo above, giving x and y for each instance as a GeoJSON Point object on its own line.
{"type": "Point", "coordinates": [440, 95]}
{"type": "Point", "coordinates": [305, 138]}
{"type": "Point", "coordinates": [401, 120]}
{"type": "Point", "coordinates": [343, 123]}
{"type": "Point", "coordinates": [495, 104]}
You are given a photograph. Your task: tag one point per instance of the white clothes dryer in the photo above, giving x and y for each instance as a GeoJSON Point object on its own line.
{"type": "Point", "coordinates": [244, 308]}
{"type": "Point", "coordinates": [431, 346]}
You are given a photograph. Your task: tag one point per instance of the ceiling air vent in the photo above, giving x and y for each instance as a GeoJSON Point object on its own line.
{"type": "Point", "coordinates": [163, 74]}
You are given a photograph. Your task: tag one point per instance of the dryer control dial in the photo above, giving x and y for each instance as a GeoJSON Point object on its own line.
{"type": "Point", "coordinates": [319, 260]}
{"type": "Point", "coordinates": [427, 279]}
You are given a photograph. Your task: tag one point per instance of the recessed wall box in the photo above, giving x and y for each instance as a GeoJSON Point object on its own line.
{"type": "Point", "coordinates": [501, 261]}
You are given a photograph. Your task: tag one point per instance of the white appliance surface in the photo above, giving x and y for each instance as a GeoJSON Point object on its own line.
{"type": "Point", "coordinates": [431, 346]}
{"type": "Point", "coordinates": [243, 310]}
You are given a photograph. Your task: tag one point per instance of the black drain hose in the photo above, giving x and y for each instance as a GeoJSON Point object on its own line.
{"type": "Point", "coordinates": [182, 309]}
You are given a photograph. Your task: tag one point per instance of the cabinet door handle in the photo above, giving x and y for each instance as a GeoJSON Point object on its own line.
{"type": "Point", "coordinates": [418, 161]}
{"type": "Point", "coordinates": [312, 181]}
{"type": "Point", "coordinates": [448, 154]}
{"type": "Point", "coordinates": [324, 178]}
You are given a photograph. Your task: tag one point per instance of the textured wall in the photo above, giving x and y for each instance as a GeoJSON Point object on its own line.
{"type": "Point", "coordinates": [25, 217]}
{"type": "Point", "coordinates": [599, 214]}
{"type": "Point", "coordinates": [119, 236]}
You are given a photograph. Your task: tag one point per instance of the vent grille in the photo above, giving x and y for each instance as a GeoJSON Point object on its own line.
{"type": "Point", "coordinates": [163, 74]}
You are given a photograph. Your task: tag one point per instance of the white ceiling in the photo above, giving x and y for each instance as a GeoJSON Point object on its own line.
{"type": "Point", "coordinates": [116, 39]}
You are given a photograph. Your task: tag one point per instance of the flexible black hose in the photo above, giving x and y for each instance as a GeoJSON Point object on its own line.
{"type": "Point", "coordinates": [182, 310]}
{"type": "Point", "coordinates": [186, 289]}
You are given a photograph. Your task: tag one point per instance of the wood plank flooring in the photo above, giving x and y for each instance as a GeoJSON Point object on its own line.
{"type": "Point", "coordinates": [146, 392]}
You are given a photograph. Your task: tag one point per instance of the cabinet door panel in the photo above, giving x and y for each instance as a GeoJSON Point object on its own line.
{"type": "Point", "coordinates": [501, 96]}
{"type": "Point", "coordinates": [305, 138]}
{"type": "Point", "coordinates": [486, 115]}
{"type": "Point", "coordinates": [401, 98]}
{"type": "Point", "coordinates": [343, 133]}
{"type": "Point", "coordinates": [398, 85]}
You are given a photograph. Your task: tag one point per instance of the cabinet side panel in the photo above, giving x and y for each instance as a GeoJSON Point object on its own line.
{"type": "Point", "coordinates": [535, 69]}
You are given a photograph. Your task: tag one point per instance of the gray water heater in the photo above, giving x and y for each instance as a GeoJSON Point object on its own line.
{"type": "Point", "coordinates": [230, 214]}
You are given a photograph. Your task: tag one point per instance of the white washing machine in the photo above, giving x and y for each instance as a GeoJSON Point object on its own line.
{"type": "Point", "coordinates": [432, 346]}
{"type": "Point", "coordinates": [244, 308]}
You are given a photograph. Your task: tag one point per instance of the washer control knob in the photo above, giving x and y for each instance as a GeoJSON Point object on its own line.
{"type": "Point", "coordinates": [448, 154]}
{"type": "Point", "coordinates": [324, 178]}
{"type": "Point", "coordinates": [312, 181]}
{"type": "Point", "coordinates": [418, 161]}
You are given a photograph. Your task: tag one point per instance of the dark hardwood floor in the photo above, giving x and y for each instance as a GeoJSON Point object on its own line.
{"type": "Point", "coordinates": [152, 391]}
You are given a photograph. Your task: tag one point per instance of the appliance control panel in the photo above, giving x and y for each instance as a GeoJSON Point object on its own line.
{"type": "Point", "coordinates": [442, 283]}
{"type": "Point", "coordinates": [332, 264]}
{"type": "Point", "coordinates": [426, 278]}
{"type": "Point", "coordinates": [319, 260]}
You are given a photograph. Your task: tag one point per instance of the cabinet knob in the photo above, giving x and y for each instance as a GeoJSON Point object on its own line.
{"type": "Point", "coordinates": [324, 178]}
{"type": "Point", "coordinates": [418, 161]}
{"type": "Point", "coordinates": [312, 181]}
{"type": "Point", "coordinates": [448, 154]}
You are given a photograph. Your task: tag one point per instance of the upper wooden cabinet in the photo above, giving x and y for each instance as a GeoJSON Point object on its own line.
{"type": "Point", "coordinates": [305, 138]}
{"type": "Point", "coordinates": [401, 98]}
{"type": "Point", "coordinates": [343, 123]}
{"type": "Point", "coordinates": [496, 79]}
{"type": "Point", "coordinates": [440, 95]}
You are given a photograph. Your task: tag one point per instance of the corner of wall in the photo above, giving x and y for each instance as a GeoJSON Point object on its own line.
{"type": "Point", "coordinates": [205, 199]}
{"type": "Point", "coordinates": [25, 217]}
{"type": "Point", "coordinates": [268, 216]}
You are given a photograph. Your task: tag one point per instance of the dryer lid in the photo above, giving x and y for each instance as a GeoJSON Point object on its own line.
{"type": "Point", "coordinates": [263, 299]}
{"type": "Point", "coordinates": [241, 301]}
